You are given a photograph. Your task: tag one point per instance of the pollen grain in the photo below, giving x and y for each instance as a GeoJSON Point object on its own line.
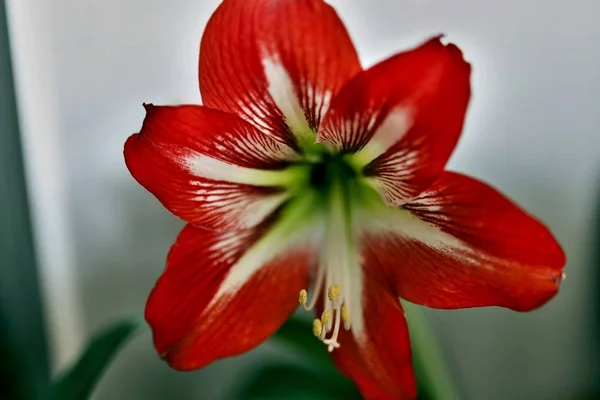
{"type": "Point", "coordinates": [317, 328]}
{"type": "Point", "coordinates": [333, 292]}
{"type": "Point", "coordinates": [302, 297]}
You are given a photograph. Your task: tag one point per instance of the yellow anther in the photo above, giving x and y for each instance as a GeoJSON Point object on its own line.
{"type": "Point", "coordinates": [345, 314]}
{"type": "Point", "coordinates": [333, 292]}
{"type": "Point", "coordinates": [325, 317]}
{"type": "Point", "coordinates": [317, 328]}
{"type": "Point", "coordinates": [302, 297]}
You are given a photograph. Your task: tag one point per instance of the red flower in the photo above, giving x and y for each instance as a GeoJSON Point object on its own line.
{"type": "Point", "coordinates": [303, 170]}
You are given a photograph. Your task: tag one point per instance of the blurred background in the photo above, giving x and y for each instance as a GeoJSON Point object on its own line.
{"type": "Point", "coordinates": [82, 70]}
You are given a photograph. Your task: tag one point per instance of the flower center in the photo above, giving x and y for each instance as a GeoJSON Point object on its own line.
{"type": "Point", "coordinates": [334, 282]}
{"type": "Point", "coordinates": [331, 169]}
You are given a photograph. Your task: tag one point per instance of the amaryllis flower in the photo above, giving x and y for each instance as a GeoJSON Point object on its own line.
{"type": "Point", "coordinates": [305, 177]}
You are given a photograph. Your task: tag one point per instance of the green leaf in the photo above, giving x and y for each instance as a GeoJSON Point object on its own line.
{"type": "Point", "coordinates": [24, 367]}
{"type": "Point", "coordinates": [435, 382]}
{"type": "Point", "coordinates": [283, 381]}
{"type": "Point", "coordinates": [79, 382]}
{"type": "Point", "coordinates": [319, 380]}
{"type": "Point", "coordinates": [296, 333]}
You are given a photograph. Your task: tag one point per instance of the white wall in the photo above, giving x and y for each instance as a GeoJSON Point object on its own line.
{"type": "Point", "coordinates": [84, 69]}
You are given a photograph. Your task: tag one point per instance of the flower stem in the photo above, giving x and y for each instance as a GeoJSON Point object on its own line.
{"type": "Point", "coordinates": [432, 371]}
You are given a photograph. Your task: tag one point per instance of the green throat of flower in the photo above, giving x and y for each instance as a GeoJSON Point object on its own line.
{"type": "Point", "coordinates": [328, 193]}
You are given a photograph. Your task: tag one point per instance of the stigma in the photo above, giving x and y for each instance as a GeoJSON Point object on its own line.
{"type": "Point", "coordinates": [335, 314]}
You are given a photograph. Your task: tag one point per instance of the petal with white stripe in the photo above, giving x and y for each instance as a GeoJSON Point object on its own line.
{"type": "Point", "coordinates": [377, 355]}
{"type": "Point", "coordinates": [401, 119]}
{"type": "Point", "coordinates": [223, 293]}
{"type": "Point", "coordinates": [276, 64]}
{"type": "Point", "coordinates": [208, 167]}
{"type": "Point", "coordinates": [463, 244]}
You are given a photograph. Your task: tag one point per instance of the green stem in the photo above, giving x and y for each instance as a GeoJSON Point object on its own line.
{"type": "Point", "coordinates": [430, 365]}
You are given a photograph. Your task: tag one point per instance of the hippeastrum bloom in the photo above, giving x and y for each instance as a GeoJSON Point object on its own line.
{"type": "Point", "coordinates": [305, 178]}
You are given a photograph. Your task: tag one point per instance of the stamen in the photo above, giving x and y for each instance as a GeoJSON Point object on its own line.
{"type": "Point", "coordinates": [316, 288]}
{"type": "Point", "coordinates": [332, 342]}
{"type": "Point", "coordinates": [317, 328]}
{"type": "Point", "coordinates": [334, 292]}
{"type": "Point", "coordinates": [338, 262]}
{"type": "Point", "coordinates": [346, 317]}
{"type": "Point", "coordinates": [340, 311]}
{"type": "Point", "coordinates": [302, 297]}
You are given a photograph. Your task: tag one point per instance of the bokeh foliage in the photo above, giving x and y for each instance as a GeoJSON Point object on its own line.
{"type": "Point", "coordinates": [23, 351]}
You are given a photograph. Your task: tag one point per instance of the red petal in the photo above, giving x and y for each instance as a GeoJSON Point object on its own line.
{"type": "Point", "coordinates": [203, 165]}
{"type": "Point", "coordinates": [378, 358]}
{"type": "Point", "coordinates": [468, 247]}
{"type": "Point", "coordinates": [195, 321]}
{"type": "Point", "coordinates": [306, 38]}
{"type": "Point", "coordinates": [403, 117]}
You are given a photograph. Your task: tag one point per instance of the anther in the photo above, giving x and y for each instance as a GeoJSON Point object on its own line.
{"type": "Point", "coordinates": [302, 297]}
{"type": "Point", "coordinates": [317, 328]}
{"type": "Point", "coordinates": [325, 317]}
{"type": "Point", "coordinates": [333, 292]}
{"type": "Point", "coordinates": [346, 317]}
